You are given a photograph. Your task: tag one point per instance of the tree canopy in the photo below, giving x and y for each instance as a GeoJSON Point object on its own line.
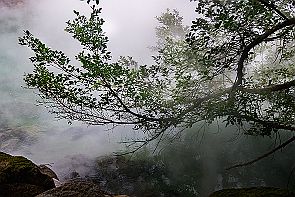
{"type": "Point", "coordinates": [235, 63]}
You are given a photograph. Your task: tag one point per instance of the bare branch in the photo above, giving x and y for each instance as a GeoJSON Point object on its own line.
{"type": "Point", "coordinates": [146, 141]}
{"type": "Point", "coordinates": [264, 155]}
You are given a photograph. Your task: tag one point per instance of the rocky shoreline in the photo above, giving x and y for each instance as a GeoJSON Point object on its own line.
{"type": "Point", "coordinates": [20, 177]}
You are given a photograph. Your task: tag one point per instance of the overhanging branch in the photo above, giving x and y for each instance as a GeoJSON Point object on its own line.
{"type": "Point", "coordinates": [274, 88]}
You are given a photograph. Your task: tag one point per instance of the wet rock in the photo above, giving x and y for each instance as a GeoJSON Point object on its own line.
{"type": "Point", "coordinates": [253, 192]}
{"type": "Point", "coordinates": [21, 177]}
{"type": "Point", "coordinates": [77, 188]}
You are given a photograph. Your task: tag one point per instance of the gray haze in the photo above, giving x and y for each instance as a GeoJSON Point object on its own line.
{"type": "Point", "coordinates": [130, 26]}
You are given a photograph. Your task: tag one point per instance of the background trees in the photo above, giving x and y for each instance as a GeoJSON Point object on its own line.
{"type": "Point", "coordinates": [235, 64]}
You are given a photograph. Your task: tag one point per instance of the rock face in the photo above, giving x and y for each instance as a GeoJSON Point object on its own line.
{"type": "Point", "coordinates": [253, 192]}
{"type": "Point", "coordinates": [20, 177]}
{"type": "Point", "coordinates": [77, 188]}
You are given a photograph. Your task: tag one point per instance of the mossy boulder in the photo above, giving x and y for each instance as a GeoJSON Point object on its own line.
{"type": "Point", "coordinates": [253, 192]}
{"type": "Point", "coordinates": [19, 174]}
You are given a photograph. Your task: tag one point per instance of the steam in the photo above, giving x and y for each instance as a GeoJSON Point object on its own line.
{"type": "Point", "coordinates": [130, 26]}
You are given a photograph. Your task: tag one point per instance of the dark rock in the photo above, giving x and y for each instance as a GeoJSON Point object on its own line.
{"type": "Point", "coordinates": [20, 190]}
{"type": "Point", "coordinates": [46, 170]}
{"type": "Point", "coordinates": [77, 188]}
{"type": "Point", "coordinates": [253, 192]}
{"type": "Point", "coordinates": [18, 174]}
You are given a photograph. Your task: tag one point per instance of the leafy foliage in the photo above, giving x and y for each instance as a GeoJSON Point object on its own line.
{"type": "Point", "coordinates": [236, 62]}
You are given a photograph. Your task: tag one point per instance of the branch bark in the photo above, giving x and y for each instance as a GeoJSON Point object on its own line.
{"type": "Point", "coordinates": [259, 39]}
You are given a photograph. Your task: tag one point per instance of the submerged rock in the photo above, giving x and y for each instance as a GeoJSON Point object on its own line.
{"type": "Point", "coordinates": [21, 177]}
{"type": "Point", "coordinates": [253, 192]}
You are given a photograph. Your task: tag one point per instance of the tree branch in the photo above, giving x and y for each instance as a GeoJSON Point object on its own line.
{"type": "Point", "coordinates": [144, 142]}
{"type": "Point", "coordinates": [259, 39]}
{"type": "Point", "coordinates": [264, 155]}
{"type": "Point", "coordinates": [279, 36]}
{"type": "Point", "coordinates": [274, 8]}
{"type": "Point", "coordinates": [126, 108]}
{"type": "Point", "coordinates": [272, 88]}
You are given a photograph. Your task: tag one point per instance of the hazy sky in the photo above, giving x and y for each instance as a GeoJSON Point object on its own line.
{"type": "Point", "coordinates": [129, 23]}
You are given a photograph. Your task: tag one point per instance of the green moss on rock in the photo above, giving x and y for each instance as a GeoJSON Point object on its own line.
{"type": "Point", "coordinates": [253, 192]}
{"type": "Point", "coordinates": [18, 169]}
